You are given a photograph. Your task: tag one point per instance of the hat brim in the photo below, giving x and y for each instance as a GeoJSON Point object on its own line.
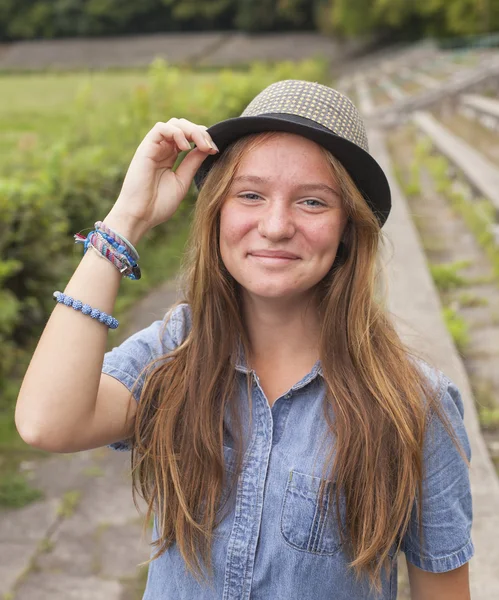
{"type": "Point", "coordinates": [362, 167]}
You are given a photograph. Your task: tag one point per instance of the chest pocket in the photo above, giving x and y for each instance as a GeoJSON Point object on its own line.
{"type": "Point", "coordinates": [303, 524]}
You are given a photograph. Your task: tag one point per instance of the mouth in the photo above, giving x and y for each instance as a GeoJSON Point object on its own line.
{"type": "Point", "coordinates": [273, 255]}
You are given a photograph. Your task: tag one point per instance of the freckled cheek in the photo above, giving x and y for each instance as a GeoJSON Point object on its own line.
{"type": "Point", "coordinates": [234, 228]}
{"type": "Point", "coordinates": [322, 241]}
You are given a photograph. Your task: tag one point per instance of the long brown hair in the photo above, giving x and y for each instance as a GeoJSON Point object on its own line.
{"type": "Point", "coordinates": [379, 394]}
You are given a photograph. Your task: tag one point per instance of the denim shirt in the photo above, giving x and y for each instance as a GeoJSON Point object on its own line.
{"type": "Point", "coordinates": [273, 542]}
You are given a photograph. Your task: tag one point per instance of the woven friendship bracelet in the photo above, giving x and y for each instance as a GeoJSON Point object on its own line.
{"type": "Point", "coordinates": [131, 268]}
{"type": "Point", "coordinates": [111, 248]}
{"type": "Point", "coordinates": [92, 240]}
{"type": "Point", "coordinates": [86, 309]}
{"type": "Point", "coordinates": [99, 225]}
{"type": "Point", "coordinates": [120, 261]}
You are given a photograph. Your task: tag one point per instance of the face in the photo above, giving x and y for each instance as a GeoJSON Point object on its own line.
{"type": "Point", "coordinates": [282, 220]}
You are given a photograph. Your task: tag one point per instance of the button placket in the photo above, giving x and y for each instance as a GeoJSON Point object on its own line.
{"type": "Point", "coordinates": [249, 506]}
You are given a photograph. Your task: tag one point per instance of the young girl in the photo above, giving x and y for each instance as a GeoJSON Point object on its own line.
{"type": "Point", "coordinates": [286, 441]}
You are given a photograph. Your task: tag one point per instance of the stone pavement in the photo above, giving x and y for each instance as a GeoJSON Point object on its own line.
{"type": "Point", "coordinates": [83, 541]}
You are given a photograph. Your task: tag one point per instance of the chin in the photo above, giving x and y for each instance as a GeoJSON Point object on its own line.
{"type": "Point", "coordinates": [274, 292]}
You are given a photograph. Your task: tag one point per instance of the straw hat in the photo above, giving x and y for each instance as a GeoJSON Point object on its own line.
{"type": "Point", "coordinates": [319, 113]}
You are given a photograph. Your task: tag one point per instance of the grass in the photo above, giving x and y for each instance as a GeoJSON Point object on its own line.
{"type": "Point", "coordinates": [35, 107]}
{"type": "Point", "coordinates": [457, 327]}
{"type": "Point", "coordinates": [94, 471]}
{"type": "Point", "coordinates": [15, 490]}
{"type": "Point", "coordinates": [468, 300]}
{"type": "Point", "coordinates": [69, 503]}
{"type": "Point", "coordinates": [486, 404]}
{"type": "Point", "coordinates": [447, 277]}
{"type": "Point", "coordinates": [46, 545]}
{"type": "Point", "coordinates": [489, 418]}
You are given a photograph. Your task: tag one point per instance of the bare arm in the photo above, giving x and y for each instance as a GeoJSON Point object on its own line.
{"type": "Point", "coordinates": [58, 395]}
{"type": "Point", "coordinates": [452, 585]}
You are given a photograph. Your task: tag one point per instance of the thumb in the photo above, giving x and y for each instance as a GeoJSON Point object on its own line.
{"type": "Point", "coordinates": [188, 167]}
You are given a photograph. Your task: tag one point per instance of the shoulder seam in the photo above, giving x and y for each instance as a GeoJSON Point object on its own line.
{"type": "Point", "coordinates": [444, 386]}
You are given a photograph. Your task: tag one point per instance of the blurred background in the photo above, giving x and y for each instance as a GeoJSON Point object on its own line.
{"type": "Point", "coordinates": [82, 81]}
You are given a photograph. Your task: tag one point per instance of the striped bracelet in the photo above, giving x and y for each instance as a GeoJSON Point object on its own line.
{"type": "Point", "coordinates": [86, 309]}
{"type": "Point", "coordinates": [114, 247]}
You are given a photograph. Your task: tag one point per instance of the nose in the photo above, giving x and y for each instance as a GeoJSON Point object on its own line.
{"type": "Point", "coordinates": [276, 223]}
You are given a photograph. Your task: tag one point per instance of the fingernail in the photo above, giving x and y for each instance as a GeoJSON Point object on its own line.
{"type": "Point", "coordinates": [211, 143]}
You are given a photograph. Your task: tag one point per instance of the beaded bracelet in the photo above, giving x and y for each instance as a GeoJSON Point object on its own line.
{"type": "Point", "coordinates": [86, 309]}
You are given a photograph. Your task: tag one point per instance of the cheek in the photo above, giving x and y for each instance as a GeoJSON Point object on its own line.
{"type": "Point", "coordinates": [323, 240]}
{"type": "Point", "coordinates": [234, 226]}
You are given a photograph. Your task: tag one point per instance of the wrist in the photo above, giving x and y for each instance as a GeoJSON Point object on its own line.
{"type": "Point", "coordinates": [128, 227]}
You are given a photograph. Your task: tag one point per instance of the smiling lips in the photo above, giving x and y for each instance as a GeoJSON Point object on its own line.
{"type": "Point", "coordinates": [274, 254]}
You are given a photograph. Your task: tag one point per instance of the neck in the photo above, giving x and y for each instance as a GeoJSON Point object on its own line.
{"type": "Point", "coordinates": [279, 329]}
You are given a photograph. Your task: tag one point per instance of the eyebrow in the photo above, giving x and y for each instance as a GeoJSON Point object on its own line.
{"type": "Point", "coordinates": [305, 187]}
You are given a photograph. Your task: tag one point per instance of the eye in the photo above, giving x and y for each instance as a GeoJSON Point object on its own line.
{"type": "Point", "coordinates": [246, 196]}
{"type": "Point", "coordinates": [316, 203]}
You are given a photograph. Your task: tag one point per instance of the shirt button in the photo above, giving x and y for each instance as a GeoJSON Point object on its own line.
{"type": "Point", "coordinates": [288, 395]}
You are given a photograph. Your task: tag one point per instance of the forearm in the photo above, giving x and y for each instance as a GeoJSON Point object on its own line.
{"type": "Point", "coordinates": [452, 585]}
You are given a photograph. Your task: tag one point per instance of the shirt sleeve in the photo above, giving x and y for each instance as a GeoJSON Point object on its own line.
{"type": "Point", "coordinates": [447, 504]}
{"type": "Point", "coordinates": [127, 362]}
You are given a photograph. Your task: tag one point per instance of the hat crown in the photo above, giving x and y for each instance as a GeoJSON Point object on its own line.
{"type": "Point", "coordinates": [324, 105]}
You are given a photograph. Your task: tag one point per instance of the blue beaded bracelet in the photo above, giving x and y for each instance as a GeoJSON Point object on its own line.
{"type": "Point", "coordinates": [86, 309]}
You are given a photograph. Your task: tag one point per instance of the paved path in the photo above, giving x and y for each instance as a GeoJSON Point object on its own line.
{"type": "Point", "coordinates": [214, 49]}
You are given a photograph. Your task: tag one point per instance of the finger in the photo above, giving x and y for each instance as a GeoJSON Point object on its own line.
{"type": "Point", "coordinates": [190, 131]}
{"type": "Point", "coordinates": [181, 140]}
{"type": "Point", "coordinates": [167, 138]}
{"type": "Point", "coordinates": [188, 167]}
{"type": "Point", "coordinates": [161, 134]}
{"type": "Point", "coordinates": [188, 123]}
{"type": "Point", "coordinates": [193, 131]}
{"type": "Point", "coordinates": [203, 141]}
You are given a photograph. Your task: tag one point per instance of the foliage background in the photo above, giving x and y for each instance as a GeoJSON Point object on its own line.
{"type": "Point", "coordinates": [29, 19]}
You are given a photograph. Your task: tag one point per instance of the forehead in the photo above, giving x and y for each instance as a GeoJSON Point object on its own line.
{"type": "Point", "coordinates": [286, 155]}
